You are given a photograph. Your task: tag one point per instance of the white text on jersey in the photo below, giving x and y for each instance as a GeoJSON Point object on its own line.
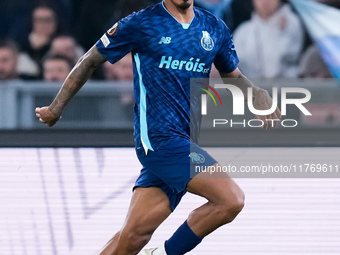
{"type": "Point", "coordinates": [189, 65]}
{"type": "Point", "coordinates": [165, 40]}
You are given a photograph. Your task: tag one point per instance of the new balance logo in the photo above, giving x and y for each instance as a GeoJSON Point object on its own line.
{"type": "Point", "coordinates": [165, 40]}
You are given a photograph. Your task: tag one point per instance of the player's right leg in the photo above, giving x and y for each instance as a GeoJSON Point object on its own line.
{"type": "Point", "coordinates": [149, 207]}
{"type": "Point", "coordinates": [225, 201]}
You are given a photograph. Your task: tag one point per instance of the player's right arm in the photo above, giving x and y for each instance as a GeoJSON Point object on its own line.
{"type": "Point", "coordinates": [226, 62]}
{"type": "Point", "coordinates": [74, 81]}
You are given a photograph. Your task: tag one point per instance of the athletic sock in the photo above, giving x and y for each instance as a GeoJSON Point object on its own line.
{"type": "Point", "coordinates": [182, 241]}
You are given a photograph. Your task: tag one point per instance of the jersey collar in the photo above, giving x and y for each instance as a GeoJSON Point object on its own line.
{"type": "Point", "coordinates": [184, 25]}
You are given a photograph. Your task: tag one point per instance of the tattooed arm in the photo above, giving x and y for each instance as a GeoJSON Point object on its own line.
{"type": "Point", "coordinates": [73, 83]}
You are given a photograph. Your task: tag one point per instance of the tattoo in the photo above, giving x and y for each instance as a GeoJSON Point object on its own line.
{"type": "Point", "coordinates": [76, 79]}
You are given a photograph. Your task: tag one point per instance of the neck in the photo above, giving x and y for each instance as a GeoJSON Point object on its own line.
{"type": "Point", "coordinates": [182, 13]}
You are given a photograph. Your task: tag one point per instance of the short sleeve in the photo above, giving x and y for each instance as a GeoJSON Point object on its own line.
{"type": "Point", "coordinates": [226, 59]}
{"type": "Point", "coordinates": [122, 38]}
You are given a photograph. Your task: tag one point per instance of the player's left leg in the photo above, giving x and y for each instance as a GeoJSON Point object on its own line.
{"type": "Point", "coordinates": [225, 201]}
{"type": "Point", "coordinates": [176, 164]}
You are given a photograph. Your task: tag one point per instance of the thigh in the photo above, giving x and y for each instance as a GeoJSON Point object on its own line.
{"type": "Point", "coordinates": [149, 207]}
{"type": "Point", "coordinates": [176, 162]}
{"type": "Point", "coordinates": [216, 190]}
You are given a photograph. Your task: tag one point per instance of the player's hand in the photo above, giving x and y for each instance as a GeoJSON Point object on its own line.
{"type": "Point", "coordinates": [263, 101]}
{"type": "Point", "coordinates": [46, 116]}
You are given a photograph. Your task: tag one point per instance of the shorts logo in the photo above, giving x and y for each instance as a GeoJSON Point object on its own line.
{"type": "Point", "coordinates": [196, 158]}
{"type": "Point", "coordinates": [113, 29]}
{"type": "Point", "coordinates": [206, 41]}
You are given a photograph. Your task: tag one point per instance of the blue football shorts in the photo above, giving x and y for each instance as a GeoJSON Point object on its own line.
{"type": "Point", "coordinates": [172, 167]}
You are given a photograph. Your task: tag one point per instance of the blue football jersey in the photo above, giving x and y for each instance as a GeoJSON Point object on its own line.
{"type": "Point", "coordinates": [166, 54]}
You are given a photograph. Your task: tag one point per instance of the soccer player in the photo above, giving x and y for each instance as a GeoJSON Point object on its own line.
{"type": "Point", "coordinates": [170, 42]}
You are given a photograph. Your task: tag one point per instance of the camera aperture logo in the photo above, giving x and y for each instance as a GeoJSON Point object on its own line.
{"type": "Point", "coordinates": [238, 105]}
{"type": "Point", "coordinates": [211, 95]}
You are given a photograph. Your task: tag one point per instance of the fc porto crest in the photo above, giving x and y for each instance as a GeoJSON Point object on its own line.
{"type": "Point", "coordinates": [206, 41]}
{"type": "Point", "coordinates": [197, 158]}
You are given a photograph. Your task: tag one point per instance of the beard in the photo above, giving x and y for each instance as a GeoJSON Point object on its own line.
{"type": "Point", "coordinates": [185, 4]}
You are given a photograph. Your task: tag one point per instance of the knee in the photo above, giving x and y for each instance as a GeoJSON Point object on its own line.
{"type": "Point", "coordinates": [231, 207]}
{"type": "Point", "coordinates": [237, 205]}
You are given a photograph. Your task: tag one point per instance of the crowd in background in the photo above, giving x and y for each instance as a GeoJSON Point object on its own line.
{"type": "Point", "coordinates": [42, 40]}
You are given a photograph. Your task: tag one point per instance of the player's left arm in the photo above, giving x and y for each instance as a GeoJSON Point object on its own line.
{"type": "Point", "coordinates": [261, 97]}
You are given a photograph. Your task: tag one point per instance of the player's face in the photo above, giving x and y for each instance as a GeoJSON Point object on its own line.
{"type": "Point", "coordinates": [182, 4]}
{"type": "Point", "coordinates": [8, 64]}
